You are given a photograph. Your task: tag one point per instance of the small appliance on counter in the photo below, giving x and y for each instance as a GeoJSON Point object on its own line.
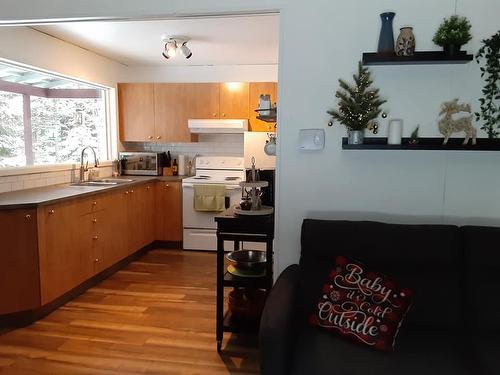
{"type": "Point", "coordinates": [136, 163]}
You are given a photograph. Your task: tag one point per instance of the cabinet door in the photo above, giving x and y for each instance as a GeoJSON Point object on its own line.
{"type": "Point", "coordinates": [171, 112]}
{"type": "Point", "coordinates": [168, 211]}
{"type": "Point", "coordinates": [136, 111]}
{"type": "Point", "coordinates": [19, 280]}
{"type": "Point", "coordinates": [233, 100]}
{"type": "Point", "coordinates": [114, 228]}
{"type": "Point", "coordinates": [140, 216]}
{"type": "Point", "coordinates": [257, 89]}
{"type": "Point", "coordinates": [66, 258]}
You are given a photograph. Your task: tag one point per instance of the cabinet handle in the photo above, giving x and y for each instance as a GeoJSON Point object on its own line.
{"type": "Point", "coordinates": [126, 192]}
{"type": "Point", "coordinates": [94, 203]}
{"type": "Point", "coordinates": [96, 260]}
{"type": "Point", "coordinates": [131, 191]}
{"type": "Point", "coordinates": [167, 185]}
{"type": "Point", "coordinates": [147, 188]}
{"type": "Point", "coordinates": [158, 137]}
{"type": "Point", "coordinates": [214, 114]}
{"type": "Point", "coordinates": [95, 238]}
{"type": "Point", "coordinates": [223, 115]}
{"type": "Point", "coordinates": [51, 212]}
{"type": "Point", "coordinates": [28, 217]}
{"type": "Point", "coordinates": [94, 220]}
{"type": "Point", "coordinates": [150, 137]}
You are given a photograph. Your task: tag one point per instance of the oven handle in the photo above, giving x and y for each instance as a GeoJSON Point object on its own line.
{"type": "Point", "coordinates": [230, 188]}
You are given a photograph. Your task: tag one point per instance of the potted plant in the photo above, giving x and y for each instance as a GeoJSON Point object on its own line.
{"type": "Point", "coordinates": [490, 72]}
{"type": "Point", "coordinates": [358, 105]}
{"type": "Point", "coordinates": [452, 34]}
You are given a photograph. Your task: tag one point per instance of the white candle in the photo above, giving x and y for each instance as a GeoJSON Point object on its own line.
{"type": "Point", "coordinates": [395, 132]}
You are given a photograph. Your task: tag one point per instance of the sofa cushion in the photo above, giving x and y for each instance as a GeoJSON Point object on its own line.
{"type": "Point", "coordinates": [482, 274]}
{"type": "Point", "coordinates": [424, 258]}
{"type": "Point", "coordinates": [361, 305]}
{"type": "Point", "coordinates": [417, 353]}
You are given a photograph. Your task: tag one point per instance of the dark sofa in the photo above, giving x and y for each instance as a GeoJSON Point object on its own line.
{"type": "Point", "coordinates": [453, 326]}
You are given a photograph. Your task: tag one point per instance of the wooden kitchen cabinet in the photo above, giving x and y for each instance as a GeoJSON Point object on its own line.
{"type": "Point", "coordinates": [168, 211]}
{"type": "Point", "coordinates": [19, 281]}
{"type": "Point", "coordinates": [136, 112]}
{"type": "Point", "coordinates": [234, 100]}
{"type": "Point", "coordinates": [175, 103]}
{"type": "Point", "coordinates": [257, 89]}
{"type": "Point", "coordinates": [65, 257]}
{"type": "Point", "coordinates": [141, 226]}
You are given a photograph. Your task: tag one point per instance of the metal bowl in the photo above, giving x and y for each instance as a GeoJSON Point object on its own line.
{"type": "Point", "coordinates": [253, 260]}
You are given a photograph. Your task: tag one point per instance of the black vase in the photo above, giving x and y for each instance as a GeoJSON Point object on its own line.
{"type": "Point", "coordinates": [386, 38]}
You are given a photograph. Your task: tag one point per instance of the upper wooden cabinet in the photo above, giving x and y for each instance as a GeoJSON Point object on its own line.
{"type": "Point", "coordinates": [233, 100]}
{"type": "Point", "coordinates": [175, 103]}
{"type": "Point", "coordinates": [136, 111]}
{"type": "Point", "coordinates": [257, 89]}
{"type": "Point", "coordinates": [159, 112]}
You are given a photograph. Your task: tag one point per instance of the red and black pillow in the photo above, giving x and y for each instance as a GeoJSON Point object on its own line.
{"type": "Point", "coordinates": [360, 305]}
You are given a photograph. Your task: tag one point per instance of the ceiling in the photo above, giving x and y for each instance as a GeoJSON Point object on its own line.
{"type": "Point", "coordinates": [237, 40]}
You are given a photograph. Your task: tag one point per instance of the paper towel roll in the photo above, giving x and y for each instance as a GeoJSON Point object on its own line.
{"type": "Point", "coordinates": [181, 160]}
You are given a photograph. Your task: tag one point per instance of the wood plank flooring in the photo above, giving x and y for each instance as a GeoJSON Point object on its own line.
{"type": "Point", "coordinates": [155, 316]}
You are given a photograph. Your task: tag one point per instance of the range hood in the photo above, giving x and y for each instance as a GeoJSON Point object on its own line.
{"type": "Point", "coordinates": [218, 126]}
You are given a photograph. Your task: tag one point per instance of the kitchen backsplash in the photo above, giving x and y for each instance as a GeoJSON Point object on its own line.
{"type": "Point", "coordinates": [208, 144]}
{"type": "Point", "coordinates": [45, 178]}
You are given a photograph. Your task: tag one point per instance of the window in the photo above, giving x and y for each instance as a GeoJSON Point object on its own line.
{"type": "Point", "coordinates": [46, 119]}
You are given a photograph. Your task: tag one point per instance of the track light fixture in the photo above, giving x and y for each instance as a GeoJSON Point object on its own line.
{"type": "Point", "coordinates": [173, 44]}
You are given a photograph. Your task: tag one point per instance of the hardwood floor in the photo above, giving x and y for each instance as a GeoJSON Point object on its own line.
{"type": "Point", "coordinates": [155, 316]}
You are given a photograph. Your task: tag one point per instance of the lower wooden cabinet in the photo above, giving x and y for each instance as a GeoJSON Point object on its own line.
{"type": "Point", "coordinates": [168, 211]}
{"type": "Point", "coordinates": [19, 280]}
{"type": "Point", "coordinates": [50, 250]}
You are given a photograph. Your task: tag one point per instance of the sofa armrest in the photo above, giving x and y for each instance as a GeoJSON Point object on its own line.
{"type": "Point", "coordinates": [278, 324]}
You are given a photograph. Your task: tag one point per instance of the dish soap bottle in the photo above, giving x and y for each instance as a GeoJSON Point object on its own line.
{"type": "Point", "coordinates": [175, 168]}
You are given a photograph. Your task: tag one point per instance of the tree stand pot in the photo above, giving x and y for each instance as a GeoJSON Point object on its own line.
{"type": "Point", "coordinates": [452, 50]}
{"type": "Point", "coordinates": [355, 137]}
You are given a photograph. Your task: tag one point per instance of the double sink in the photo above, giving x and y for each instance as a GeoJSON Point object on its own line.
{"type": "Point", "coordinates": [104, 182]}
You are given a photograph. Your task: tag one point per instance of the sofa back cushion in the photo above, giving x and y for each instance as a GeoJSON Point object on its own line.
{"type": "Point", "coordinates": [425, 258]}
{"type": "Point", "coordinates": [482, 278]}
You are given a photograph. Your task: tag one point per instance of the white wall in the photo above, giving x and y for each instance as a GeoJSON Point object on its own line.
{"type": "Point", "coordinates": [30, 47]}
{"type": "Point", "coordinates": [456, 187]}
{"type": "Point", "coordinates": [220, 73]}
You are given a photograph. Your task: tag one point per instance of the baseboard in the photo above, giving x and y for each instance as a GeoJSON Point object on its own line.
{"type": "Point", "coordinates": [167, 244]}
{"type": "Point", "coordinates": [24, 318]}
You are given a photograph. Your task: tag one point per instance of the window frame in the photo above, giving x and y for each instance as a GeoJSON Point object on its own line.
{"type": "Point", "coordinates": [27, 91]}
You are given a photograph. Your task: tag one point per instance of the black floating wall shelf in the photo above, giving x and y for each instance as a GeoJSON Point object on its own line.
{"type": "Point", "coordinates": [454, 144]}
{"type": "Point", "coordinates": [419, 58]}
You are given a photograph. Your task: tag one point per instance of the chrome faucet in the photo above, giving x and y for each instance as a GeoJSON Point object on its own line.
{"type": "Point", "coordinates": [86, 168]}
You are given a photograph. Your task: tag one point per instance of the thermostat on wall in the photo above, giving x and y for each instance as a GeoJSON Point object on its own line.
{"type": "Point", "coordinates": [312, 139]}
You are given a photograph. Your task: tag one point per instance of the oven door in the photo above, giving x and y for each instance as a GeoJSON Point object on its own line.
{"type": "Point", "coordinates": [200, 219]}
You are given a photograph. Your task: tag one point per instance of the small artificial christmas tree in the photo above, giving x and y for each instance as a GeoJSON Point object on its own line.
{"type": "Point", "coordinates": [359, 104]}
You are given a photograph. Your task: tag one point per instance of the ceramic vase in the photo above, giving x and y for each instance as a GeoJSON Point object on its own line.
{"type": "Point", "coordinates": [405, 44]}
{"type": "Point", "coordinates": [355, 137]}
{"type": "Point", "coordinates": [386, 38]}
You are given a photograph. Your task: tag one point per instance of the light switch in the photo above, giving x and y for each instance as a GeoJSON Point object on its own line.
{"type": "Point", "coordinates": [312, 139]}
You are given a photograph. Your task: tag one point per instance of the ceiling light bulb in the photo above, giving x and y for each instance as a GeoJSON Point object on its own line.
{"type": "Point", "coordinates": [171, 49]}
{"type": "Point", "coordinates": [186, 51]}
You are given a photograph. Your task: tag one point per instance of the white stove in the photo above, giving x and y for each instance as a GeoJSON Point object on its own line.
{"type": "Point", "coordinates": [200, 226]}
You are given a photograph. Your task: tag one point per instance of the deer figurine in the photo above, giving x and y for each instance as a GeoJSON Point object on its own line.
{"type": "Point", "coordinates": [448, 125]}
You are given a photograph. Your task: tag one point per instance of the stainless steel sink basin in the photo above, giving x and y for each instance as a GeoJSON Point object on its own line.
{"type": "Point", "coordinates": [103, 182]}
{"type": "Point", "coordinates": [116, 180]}
{"type": "Point", "coordinates": [94, 183]}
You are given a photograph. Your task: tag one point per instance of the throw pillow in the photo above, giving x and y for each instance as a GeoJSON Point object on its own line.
{"type": "Point", "coordinates": [361, 305]}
